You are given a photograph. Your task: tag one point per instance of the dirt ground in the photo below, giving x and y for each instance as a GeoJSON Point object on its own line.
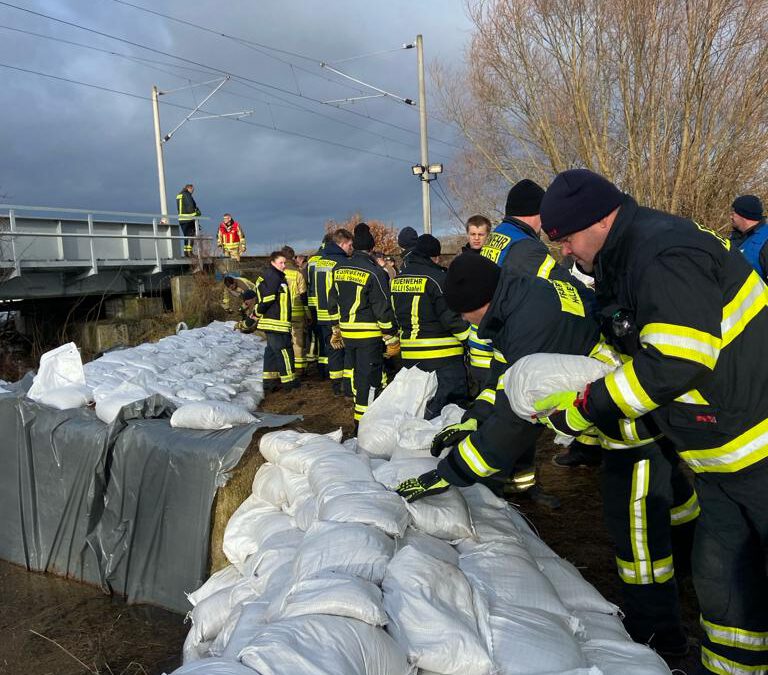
{"type": "Point", "coordinates": [53, 626]}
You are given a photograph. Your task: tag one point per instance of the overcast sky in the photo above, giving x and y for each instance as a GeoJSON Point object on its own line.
{"type": "Point", "coordinates": [78, 147]}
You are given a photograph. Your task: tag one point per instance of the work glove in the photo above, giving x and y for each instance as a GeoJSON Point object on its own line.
{"type": "Point", "coordinates": [564, 413]}
{"type": "Point", "coordinates": [392, 343]}
{"type": "Point", "coordinates": [452, 435]}
{"type": "Point", "coordinates": [337, 342]}
{"type": "Point", "coordinates": [430, 483]}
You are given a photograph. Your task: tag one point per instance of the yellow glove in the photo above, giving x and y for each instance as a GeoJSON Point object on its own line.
{"type": "Point", "coordinates": [392, 343]}
{"type": "Point", "coordinates": [337, 341]}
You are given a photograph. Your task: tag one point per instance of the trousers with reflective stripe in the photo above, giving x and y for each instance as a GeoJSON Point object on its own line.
{"type": "Point", "coordinates": [365, 358]}
{"type": "Point", "coordinates": [278, 357]}
{"type": "Point", "coordinates": [332, 358]}
{"type": "Point", "coordinates": [730, 570]}
{"type": "Point", "coordinates": [644, 491]}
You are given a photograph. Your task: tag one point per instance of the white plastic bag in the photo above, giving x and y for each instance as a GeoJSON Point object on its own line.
{"type": "Point", "coordinates": [107, 409]}
{"type": "Point", "coordinates": [275, 443]}
{"type": "Point", "coordinates": [213, 666]}
{"type": "Point", "coordinates": [210, 415]}
{"type": "Point", "coordinates": [329, 470]}
{"type": "Point", "coordinates": [250, 526]}
{"type": "Point", "coordinates": [429, 545]}
{"type": "Point", "coordinates": [224, 578]}
{"type": "Point", "coordinates": [575, 591]}
{"type": "Point", "coordinates": [67, 397]}
{"type": "Point", "coordinates": [624, 658]}
{"type": "Point", "coordinates": [268, 485]}
{"type": "Point", "coordinates": [366, 502]}
{"type": "Point", "coordinates": [59, 367]}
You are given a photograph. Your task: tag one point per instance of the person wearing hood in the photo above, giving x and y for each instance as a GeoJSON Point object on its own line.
{"type": "Point", "coordinates": [230, 237]}
{"type": "Point", "coordinates": [432, 336]}
{"type": "Point", "coordinates": [750, 232]}
{"type": "Point", "coordinates": [360, 297]}
{"type": "Point", "coordinates": [406, 240]}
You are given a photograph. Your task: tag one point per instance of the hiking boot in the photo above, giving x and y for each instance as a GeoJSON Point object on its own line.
{"type": "Point", "coordinates": [537, 496]}
{"type": "Point", "coordinates": [578, 455]}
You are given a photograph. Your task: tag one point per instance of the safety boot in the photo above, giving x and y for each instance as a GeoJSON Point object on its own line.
{"type": "Point", "coordinates": [578, 455]}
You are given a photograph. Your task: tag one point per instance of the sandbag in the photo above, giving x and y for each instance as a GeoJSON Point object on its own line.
{"type": "Point", "coordinates": [268, 485]}
{"type": "Point", "coordinates": [210, 415]}
{"type": "Point", "coordinates": [67, 397]}
{"type": "Point", "coordinates": [224, 578]}
{"type": "Point", "coordinates": [276, 550]}
{"type": "Point", "coordinates": [575, 592]}
{"type": "Point", "coordinates": [301, 458]}
{"type": "Point", "coordinates": [623, 658]}
{"type": "Point", "coordinates": [213, 666]}
{"type": "Point", "coordinates": [414, 436]}
{"type": "Point", "coordinates": [599, 626]}
{"type": "Point", "coordinates": [328, 470]}
{"type": "Point", "coordinates": [493, 518]}
{"type": "Point", "coordinates": [366, 502]}
{"type": "Point", "coordinates": [60, 367]}
{"type": "Point", "coordinates": [275, 443]}
{"type": "Point", "coordinates": [108, 408]}
{"type": "Point", "coordinates": [251, 616]}
{"type": "Point", "coordinates": [429, 545]}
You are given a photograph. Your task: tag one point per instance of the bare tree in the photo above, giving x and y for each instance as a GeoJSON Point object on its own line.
{"type": "Point", "coordinates": [668, 98]}
{"type": "Point", "coordinates": [384, 235]}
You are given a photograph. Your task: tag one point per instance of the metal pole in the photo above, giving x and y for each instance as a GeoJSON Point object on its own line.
{"type": "Point", "coordinates": [423, 134]}
{"type": "Point", "coordinates": [159, 151]}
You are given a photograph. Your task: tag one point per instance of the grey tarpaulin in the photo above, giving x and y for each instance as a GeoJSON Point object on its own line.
{"type": "Point", "coordinates": [126, 505]}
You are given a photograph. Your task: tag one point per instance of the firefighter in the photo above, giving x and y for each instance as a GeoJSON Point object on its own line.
{"type": "Point", "coordinates": [406, 240]}
{"type": "Point", "coordinates": [230, 237]}
{"type": "Point", "coordinates": [249, 318]}
{"type": "Point", "coordinates": [188, 214]}
{"type": "Point", "coordinates": [689, 314]}
{"type": "Point", "coordinates": [234, 287]}
{"type": "Point", "coordinates": [335, 252]}
{"type": "Point", "coordinates": [316, 348]}
{"type": "Point", "coordinates": [750, 232]}
{"type": "Point", "coordinates": [299, 312]}
{"type": "Point", "coordinates": [525, 315]}
{"type": "Point", "coordinates": [360, 297]}
{"type": "Point", "coordinates": [432, 336]}
{"type": "Point", "coordinates": [274, 309]}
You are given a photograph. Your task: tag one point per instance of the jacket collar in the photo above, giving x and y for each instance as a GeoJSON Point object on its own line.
{"type": "Point", "coordinates": [332, 248]}
{"type": "Point", "coordinates": [615, 251]}
{"type": "Point", "coordinates": [420, 259]}
{"type": "Point", "coordinates": [520, 225]}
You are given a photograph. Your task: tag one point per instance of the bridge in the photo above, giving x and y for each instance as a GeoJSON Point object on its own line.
{"type": "Point", "coordinates": [54, 252]}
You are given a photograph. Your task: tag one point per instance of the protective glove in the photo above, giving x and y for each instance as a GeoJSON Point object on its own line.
{"type": "Point", "coordinates": [452, 435]}
{"type": "Point", "coordinates": [564, 413]}
{"type": "Point", "coordinates": [337, 342]}
{"type": "Point", "coordinates": [392, 343]}
{"type": "Point", "coordinates": [430, 483]}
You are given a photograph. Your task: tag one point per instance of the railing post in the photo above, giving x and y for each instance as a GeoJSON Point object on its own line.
{"type": "Point", "coordinates": [199, 245]}
{"type": "Point", "coordinates": [94, 264]}
{"type": "Point", "coordinates": [158, 263]}
{"type": "Point", "coordinates": [16, 261]}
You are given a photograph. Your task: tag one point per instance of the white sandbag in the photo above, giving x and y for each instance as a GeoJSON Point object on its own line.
{"type": "Point", "coordinates": [217, 394]}
{"type": "Point", "coordinates": [67, 397]}
{"type": "Point", "coordinates": [392, 473]}
{"type": "Point", "coordinates": [624, 658]}
{"type": "Point", "coordinates": [107, 409]}
{"type": "Point", "coordinates": [507, 577]}
{"type": "Point", "coordinates": [429, 545]}
{"type": "Point", "coordinates": [268, 485]}
{"type": "Point", "coordinates": [536, 546]}
{"type": "Point", "coordinates": [253, 523]}
{"type": "Point", "coordinates": [60, 367]}
{"type": "Point", "coordinates": [217, 646]}
{"type": "Point", "coordinates": [191, 394]}
{"type": "Point", "coordinates": [252, 615]}
{"type": "Point", "coordinates": [535, 376]}
{"type": "Point", "coordinates": [301, 458]}
{"type": "Point", "coordinates": [324, 645]}
{"type": "Point", "coordinates": [213, 666]}
{"type": "Point", "coordinates": [347, 548]}
{"type": "Point", "coordinates": [575, 591]}
{"type": "Point", "coordinates": [297, 489]}
{"type": "Point", "coordinates": [274, 443]}
{"type": "Point", "coordinates": [248, 401]}
{"type": "Point", "coordinates": [493, 518]}
{"type": "Point", "coordinates": [414, 437]}
{"type": "Point", "coordinates": [305, 513]}
{"type": "Point", "coordinates": [432, 616]}
{"type": "Point", "coordinates": [276, 550]}
{"type": "Point", "coordinates": [331, 593]}
{"type": "Point", "coordinates": [328, 470]}
{"type": "Point", "coordinates": [366, 502]}
{"type": "Point", "coordinates": [532, 642]}
{"type": "Point", "coordinates": [193, 650]}
{"type": "Point", "coordinates": [224, 578]}
{"type": "Point", "coordinates": [598, 626]}
{"type": "Point", "coordinates": [210, 415]}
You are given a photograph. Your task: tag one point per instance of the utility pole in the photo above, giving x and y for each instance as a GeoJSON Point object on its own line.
{"type": "Point", "coordinates": [159, 152]}
{"type": "Point", "coordinates": [423, 134]}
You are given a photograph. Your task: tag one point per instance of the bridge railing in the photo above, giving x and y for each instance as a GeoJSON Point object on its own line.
{"type": "Point", "coordinates": [35, 237]}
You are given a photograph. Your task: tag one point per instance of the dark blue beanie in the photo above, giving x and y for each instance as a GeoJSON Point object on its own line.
{"type": "Point", "coordinates": [748, 206]}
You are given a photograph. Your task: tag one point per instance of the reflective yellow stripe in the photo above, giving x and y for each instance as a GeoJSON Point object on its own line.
{"type": "Point", "coordinates": [663, 570]}
{"type": "Point", "coordinates": [546, 267]}
{"type": "Point", "coordinates": [479, 361]}
{"type": "Point", "coordinates": [722, 666]}
{"type": "Point", "coordinates": [275, 325]}
{"type": "Point", "coordinates": [461, 337]}
{"type": "Point", "coordinates": [368, 325]}
{"type": "Point", "coordinates": [605, 353]}
{"type": "Point", "coordinates": [742, 451]}
{"type": "Point", "coordinates": [474, 459]}
{"type": "Point", "coordinates": [359, 334]}
{"type": "Point", "coordinates": [682, 342]}
{"type": "Point", "coordinates": [693, 397]}
{"type": "Point", "coordinates": [487, 395]}
{"type": "Point", "coordinates": [735, 637]}
{"type": "Point", "coordinates": [750, 299]}
{"type": "Point", "coordinates": [356, 304]}
{"type": "Point", "coordinates": [588, 439]}
{"type": "Point", "coordinates": [627, 392]}
{"type": "Point", "coordinates": [268, 298]}
{"type": "Point", "coordinates": [432, 353]}
{"type": "Point", "coordinates": [638, 522]}
{"type": "Point", "coordinates": [431, 342]}
{"type": "Point", "coordinates": [498, 356]}
{"type": "Point", "coordinates": [686, 512]}
{"type": "Point", "coordinates": [524, 479]}
{"type": "Point", "coordinates": [415, 316]}
{"type": "Point", "coordinates": [608, 443]}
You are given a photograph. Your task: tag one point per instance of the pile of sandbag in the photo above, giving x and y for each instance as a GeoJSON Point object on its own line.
{"type": "Point", "coordinates": [213, 375]}
{"type": "Point", "coordinates": [332, 572]}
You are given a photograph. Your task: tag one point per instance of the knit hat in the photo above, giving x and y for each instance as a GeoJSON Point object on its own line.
{"type": "Point", "coordinates": [428, 246]}
{"type": "Point", "coordinates": [748, 206]}
{"type": "Point", "coordinates": [576, 200]}
{"type": "Point", "coordinates": [471, 282]}
{"type": "Point", "coordinates": [407, 238]}
{"type": "Point", "coordinates": [249, 294]}
{"type": "Point", "coordinates": [362, 239]}
{"type": "Point", "coordinates": [524, 199]}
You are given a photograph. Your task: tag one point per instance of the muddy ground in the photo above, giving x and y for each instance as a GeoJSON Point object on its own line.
{"type": "Point", "coordinates": [52, 626]}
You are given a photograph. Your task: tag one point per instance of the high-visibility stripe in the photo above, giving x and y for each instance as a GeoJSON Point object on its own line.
{"type": "Point", "coordinates": [463, 336]}
{"type": "Point", "coordinates": [415, 317]}
{"type": "Point", "coordinates": [367, 325]}
{"type": "Point", "coordinates": [722, 666]}
{"type": "Point", "coordinates": [479, 362]}
{"type": "Point", "coordinates": [473, 459]}
{"type": "Point", "coordinates": [545, 269]}
{"type": "Point", "coordinates": [750, 299]}
{"type": "Point", "coordinates": [524, 480]}
{"type": "Point", "coordinates": [335, 374]}
{"type": "Point", "coordinates": [627, 392]}
{"type": "Point", "coordinates": [731, 636]}
{"type": "Point", "coordinates": [268, 298]}
{"type": "Point", "coordinates": [738, 453]}
{"type": "Point", "coordinates": [432, 353]}
{"type": "Point", "coordinates": [430, 342]}
{"type": "Point", "coordinates": [682, 342]}
{"type": "Point", "coordinates": [602, 351]}
{"type": "Point", "coordinates": [356, 304]}
{"type": "Point", "coordinates": [325, 315]}
{"type": "Point", "coordinates": [487, 395]}
{"type": "Point", "coordinates": [588, 439]}
{"type": "Point", "coordinates": [638, 523]}
{"type": "Point", "coordinates": [498, 356]}
{"type": "Point", "coordinates": [359, 334]}
{"type": "Point", "coordinates": [663, 570]}
{"type": "Point", "coordinates": [686, 512]}
{"type": "Point", "coordinates": [693, 397]}
{"type": "Point", "coordinates": [608, 443]}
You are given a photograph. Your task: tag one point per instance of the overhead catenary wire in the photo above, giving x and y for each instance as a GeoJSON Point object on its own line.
{"type": "Point", "coordinates": [446, 200]}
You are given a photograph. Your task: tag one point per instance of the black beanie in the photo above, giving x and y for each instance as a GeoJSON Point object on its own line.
{"type": "Point", "coordinates": [748, 206]}
{"type": "Point", "coordinates": [471, 282]}
{"type": "Point", "coordinates": [428, 245]}
{"type": "Point", "coordinates": [407, 238]}
{"type": "Point", "coordinates": [362, 239]}
{"type": "Point", "coordinates": [576, 200]}
{"type": "Point", "coordinates": [524, 199]}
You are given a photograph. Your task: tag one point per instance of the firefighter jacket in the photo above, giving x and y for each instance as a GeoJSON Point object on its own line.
{"type": "Point", "coordinates": [311, 263]}
{"type": "Point", "coordinates": [230, 235]}
{"type": "Point", "coordinates": [243, 284]}
{"type": "Point", "coordinates": [429, 329]}
{"type": "Point", "coordinates": [361, 299]}
{"type": "Point", "coordinates": [186, 206]}
{"type": "Point", "coordinates": [297, 285]}
{"type": "Point", "coordinates": [690, 316]}
{"type": "Point", "coordinates": [332, 256]}
{"type": "Point", "coordinates": [753, 244]}
{"type": "Point", "coordinates": [274, 301]}
{"type": "Point", "coordinates": [480, 351]}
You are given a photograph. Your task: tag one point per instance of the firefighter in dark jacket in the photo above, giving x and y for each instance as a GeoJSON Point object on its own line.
{"type": "Point", "coordinates": [274, 309]}
{"type": "Point", "coordinates": [689, 314]}
{"type": "Point", "coordinates": [406, 240]}
{"type": "Point", "coordinates": [432, 336]}
{"type": "Point", "coordinates": [750, 232]}
{"type": "Point", "coordinates": [315, 349]}
{"type": "Point", "coordinates": [525, 315]}
{"type": "Point", "coordinates": [360, 295]}
{"type": "Point", "coordinates": [188, 214]}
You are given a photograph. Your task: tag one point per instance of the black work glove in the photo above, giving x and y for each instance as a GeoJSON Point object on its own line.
{"type": "Point", "coordinates": [452, 435]}
{"type": "Point", "coordinates": [430, 483]}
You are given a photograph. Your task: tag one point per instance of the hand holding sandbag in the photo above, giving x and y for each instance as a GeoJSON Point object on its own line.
{"type": "Point", "coordinates": [452, 435]}
{"type": "Point", "coordinates": [430, 483]}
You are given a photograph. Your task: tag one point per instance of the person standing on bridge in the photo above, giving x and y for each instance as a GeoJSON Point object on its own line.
{"type": "Point", "coordinates": [188, 214]}
{"type": "Point", "coordinates": [231, 239]}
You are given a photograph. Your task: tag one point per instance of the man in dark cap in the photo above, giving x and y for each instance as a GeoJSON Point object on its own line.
{"type": "Point", "coordinates": [690, 317]}
{"type": "Point", "coordinates": [406, 240]}
{"type": "Point", "coordinates": [432, 335]}
{"type": "Point", "coordinates": [750, 232]}
{"type": "Point", "coordinates": [360, 295]}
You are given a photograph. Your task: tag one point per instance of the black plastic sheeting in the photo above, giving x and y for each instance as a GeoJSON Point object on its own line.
{"type": "Point", "coordinates": [126, 506]}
